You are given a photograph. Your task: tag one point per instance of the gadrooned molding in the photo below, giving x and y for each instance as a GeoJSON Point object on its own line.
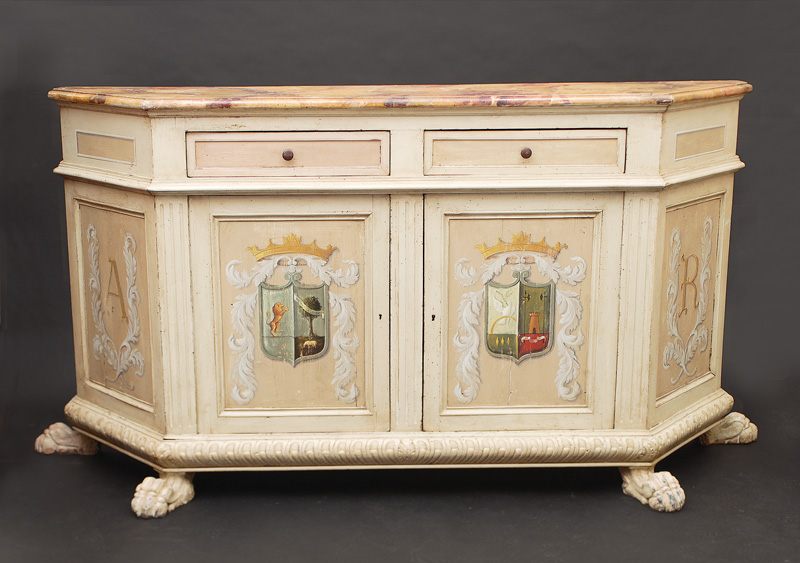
{"type": "Point", "coordinates": [399, 448]}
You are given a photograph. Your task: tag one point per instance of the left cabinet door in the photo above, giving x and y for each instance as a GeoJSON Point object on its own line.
{"type": "Point", "coordinates": [291, 312]}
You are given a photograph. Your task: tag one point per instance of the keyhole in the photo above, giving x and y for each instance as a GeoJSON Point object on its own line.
{"type": "Point", "coordinates": [433, 317]}
{"type": "Point", "coordinates": [380, 316]}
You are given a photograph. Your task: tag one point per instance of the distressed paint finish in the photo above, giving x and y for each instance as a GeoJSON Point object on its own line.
{"type": "Point", "coordinates": [581, 184]}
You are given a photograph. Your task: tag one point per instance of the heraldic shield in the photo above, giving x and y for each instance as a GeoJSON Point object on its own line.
{"type": "Point", "coordinates": [519, 318]}
{"type": "Point", "coordinates": [293, 320]}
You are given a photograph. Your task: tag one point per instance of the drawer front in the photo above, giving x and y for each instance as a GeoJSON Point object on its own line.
{"type": "Point", "coordinates": [577, 151]}
{"type": "Point", "coordinates": [253, 154]}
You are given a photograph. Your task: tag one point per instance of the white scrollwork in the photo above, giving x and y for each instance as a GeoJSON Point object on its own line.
{"type": "Point", "coordinates": [468, 338]}
{"type": "Point", "coordinates": [242, 340]}
{"type": "Point", "coordinates": [127, 356]}
{"type": "Point", "coordinates": [680, 351]}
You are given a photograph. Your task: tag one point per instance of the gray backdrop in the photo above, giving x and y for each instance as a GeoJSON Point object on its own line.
{"type": "Point", "coordinates": [741, 501]}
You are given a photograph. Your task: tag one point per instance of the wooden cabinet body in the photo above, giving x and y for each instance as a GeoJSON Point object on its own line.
{"type": "Point", "coordinates": [275, 278]}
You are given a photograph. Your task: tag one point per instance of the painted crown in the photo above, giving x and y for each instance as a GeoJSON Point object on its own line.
{"type": "Point", "coordinates": [292, 244]}
{"type": "Point", "coordinates": [521, 242]}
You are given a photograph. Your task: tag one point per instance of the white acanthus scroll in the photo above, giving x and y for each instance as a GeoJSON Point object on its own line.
{"type": "Point", "coordinates": [468, 339]}
{"type": "Point", "coordinates": [682, 351]}
{"type": "Point", "coordinates": [243, 341]}
{"type": "Point", "coordinates": [127, 355]}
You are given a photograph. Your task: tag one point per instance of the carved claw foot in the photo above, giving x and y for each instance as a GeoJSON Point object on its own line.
{"type": "Point", "coordinates": [735, 428]}
{"type": "Point", "coordinates": [59, 438]}
{"type": "Point", "coordinates": [155, 498]}
{"type": "Point", "coordinates": [660, 489]}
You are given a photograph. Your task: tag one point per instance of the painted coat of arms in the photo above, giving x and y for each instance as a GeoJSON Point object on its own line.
{"type": "Point", "coordinates": [518, 318]}
{"type": "Point", "coordinates": [294, 320]}
{"type": "Point", "coordinates": [521, 319]}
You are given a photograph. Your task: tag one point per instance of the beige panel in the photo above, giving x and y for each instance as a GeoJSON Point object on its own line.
{"type": "Point", "coordinates": [504, 382]}
{"type": "Point", "coordinates": [688, 293]}
{"type": "Point", "coordinates": [703, 141]}
{"type": "Point", "coordinates": [117, 302]}
{"type": "Point", "coordinates": [108, 147]}
{"type": "Point", "coordinates": [308, 383]}
{"type": "Point", "coordinates": [303, 396]}
{"type": "Point", "coordinates": [562, 151]}
{"type": "Point", "coordinates": [340, 153]}
{"type": "Point", "coordinates": [524, 395]}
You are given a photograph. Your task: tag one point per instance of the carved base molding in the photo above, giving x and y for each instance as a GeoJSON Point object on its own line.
{"type": "Point", "coordinates": [155, 498]}
{"type": "Point", "coordinates": [59, 438]}
{"type": "Point", "coordinates": [660, 490]}
{"type": "Point", "coordinates": [589, 447]}
{"type": "Point", "coordinates": [735, 428]}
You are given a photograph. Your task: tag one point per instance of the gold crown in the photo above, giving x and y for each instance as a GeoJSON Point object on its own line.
{"type": "Point", "coordinates": [292, 245]}
{"type": "Point", "coordinates": [521, 242]}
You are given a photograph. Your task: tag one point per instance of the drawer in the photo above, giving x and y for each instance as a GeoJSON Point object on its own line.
{"type": "Point", "coordinates": [556, 151]}
{"type": "Point", "coordinates": [335, 153]}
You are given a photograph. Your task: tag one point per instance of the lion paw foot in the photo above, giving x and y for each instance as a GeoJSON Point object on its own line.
{"type": "Point", "coordinates": [735, 428]}
{"type": "Point", "coordinates": [660, 490]}
{"type": "Point", "coordinates": [59, 438]}
{"type": "Point", "coordinates": [155, 498]}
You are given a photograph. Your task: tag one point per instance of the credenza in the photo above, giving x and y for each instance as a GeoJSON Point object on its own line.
{"type": "Point", "coordinates": [488, 275]}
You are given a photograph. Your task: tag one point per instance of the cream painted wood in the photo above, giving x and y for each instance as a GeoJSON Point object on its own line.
{"type": "Point", "coordinates": [359, 228]}
{"type": "Point", "coordinates": [523, 396]}
{"type": "Point", "coordinates": [713, 194]}
{"type": "Point", "coordinates": [116, 143]}
{"type": "Point", "coordinates": [432, 198]}
{"type": "Point", "coordinates": [335, 153]}
{"type": "Point", "coordinates": [500, 152]}
{"type": "Point", "coordinates": [115, 214]}
{"type": "Point", "coordinates": [407, 318]}
{"type": "Point", "coordinates": [699, 135]}
{"type": "Point", "coordinates": [177, 329]}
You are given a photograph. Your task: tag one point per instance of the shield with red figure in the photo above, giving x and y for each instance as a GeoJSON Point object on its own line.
{"type": "Point", "coordinates": [519, 318]}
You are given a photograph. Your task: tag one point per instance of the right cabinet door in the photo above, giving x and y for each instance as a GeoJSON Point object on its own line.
{"type": "Point", "coordinates": [521, 310]}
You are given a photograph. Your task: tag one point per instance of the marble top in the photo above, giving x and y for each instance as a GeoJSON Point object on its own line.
{"type": "Point", "coordinates": [402, 96]}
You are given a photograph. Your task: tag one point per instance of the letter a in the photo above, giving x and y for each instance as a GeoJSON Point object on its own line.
{"type": "Point", "coordinates": [113, 280]}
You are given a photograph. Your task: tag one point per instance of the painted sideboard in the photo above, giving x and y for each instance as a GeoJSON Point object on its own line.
{"type": "Point", "coordinates": [398, 276]}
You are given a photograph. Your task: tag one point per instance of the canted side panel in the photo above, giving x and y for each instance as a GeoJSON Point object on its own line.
{"type": "Point", "coordinates": [686, 356]}
{"type": "Point", "coordinates": [107, 141]}
{"type": "Point", "coordinates": [688, 294]}
{"type": "Point", "coordinates": [115, 319]}
{"type": "Point", "coordinates": [530, 317]}
{"type": "Point", "coordinates": [299, 329]}
{"type": "Point", "coordinates": [117, 300]}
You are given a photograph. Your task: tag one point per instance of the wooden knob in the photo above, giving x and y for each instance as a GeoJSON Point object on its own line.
{"type": "Point", "coordinates": [526, 153]}
{"type": "Point", "coordinates": [288, 154]}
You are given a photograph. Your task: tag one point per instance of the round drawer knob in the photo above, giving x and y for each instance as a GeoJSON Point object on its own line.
{"type": "Point", "coordinates": [288, 154]}
{"type": "Point", "coordinates": [526, 153]}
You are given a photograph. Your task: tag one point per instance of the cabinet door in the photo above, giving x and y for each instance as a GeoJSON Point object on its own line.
{"type": "Point", "coordinates": [291, 301]}
{"type": "Point", "coordinates": [521, 311]}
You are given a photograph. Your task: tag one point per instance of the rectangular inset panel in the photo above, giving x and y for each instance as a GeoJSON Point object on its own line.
{"type": "Point", "coordinates": [337, 153]}
{"type": "Point", "coordinates": [117, 349]}
{"type": "Point", "coordinates": [521, 307]}
{"type": "Point", "coordinates": [106, 147]}
{"type": "Point", "coordinates": [299, 337]}
{"type": "Point", "coordinates": [702, 141]}
{"type": "Point", "coordinates": [688, 294]}
{"type": "Point", "coordinates": [525, 152]}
